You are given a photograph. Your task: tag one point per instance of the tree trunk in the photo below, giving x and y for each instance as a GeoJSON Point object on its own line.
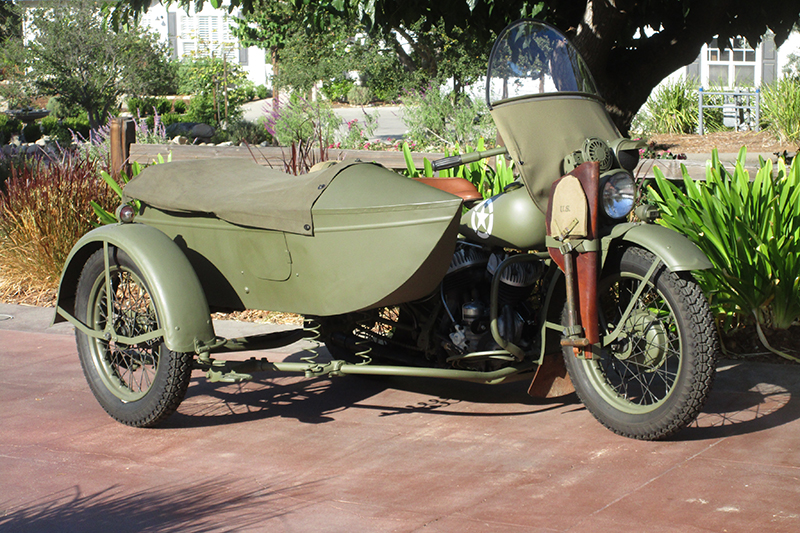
{"type": "Point", "coordinates": [626, 75]}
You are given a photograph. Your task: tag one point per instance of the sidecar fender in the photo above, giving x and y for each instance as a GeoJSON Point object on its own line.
{"type": "Point", "coordinates": [674, 249]}
{"type": "Point", "coordinates": [180, 301]}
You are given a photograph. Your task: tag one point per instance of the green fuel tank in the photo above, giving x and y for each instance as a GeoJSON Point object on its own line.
{"type": "Point", "coordinates": [509, 219]}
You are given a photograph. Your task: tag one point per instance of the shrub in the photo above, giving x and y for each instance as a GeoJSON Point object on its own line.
{"type": "Point", "coordinates": [59, 110]}
{"type": "Point", "coordinates": [62, 130]}
{"type": "Point", "coordinates": [358, 95]}
{"type": "Point", "coordinates": [77, 125]}
{"type": "Point", "coordinates": [437, 118]}
{"type": "Point", "coordinates": [249, 132]}
{"type": "Point", "coordinates": [44, 211]}
{"type": "Point", "coordinates": [337, 89]}
{"type": "Point", "coordinates": [8, 127]}
{"type": "Point", "coordinates": [263, 92]}
{"type": "Point", "coordinates": [204, 79]}
{"type": "Point", "coordinates": [32, 132]}
{"type": "Point", "coordinates": [672, 108]}
{"type": "Point", "coordinates": [360, 132]}
{"type": "Point", "coordinates": [301, 120]}
{"type": "Point", "coordinates": [178, 106]}
{"type": "Point", "coordinates": [780, 108]}
{"type": "Point", "coordinates": [750, 230]}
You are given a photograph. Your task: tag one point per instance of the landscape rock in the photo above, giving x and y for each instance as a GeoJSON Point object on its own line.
{"type": "Point", "coordinates": [192, 130]}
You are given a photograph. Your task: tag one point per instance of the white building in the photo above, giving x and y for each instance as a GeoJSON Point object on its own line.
{"type": "Point", "coordinates": [740, 66]}
{"type": "Point", "coordinates": [205, 33]}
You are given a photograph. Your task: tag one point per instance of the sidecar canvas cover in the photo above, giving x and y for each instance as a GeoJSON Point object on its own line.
{"type": "Point", "coordinates": [350, 237]}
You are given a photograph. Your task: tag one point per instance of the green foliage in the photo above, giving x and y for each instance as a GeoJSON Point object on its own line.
{"type": "Point", "coordinates": [100, 208]}
{"type": "Point", "coordinates": [780, 108]}
{"type": "Point", "coordinates": [627, 62]}
{"type": "Point", "coordinates": [750, 230]}
{"type": "Point", "coordinates": [360, 132]}
{"type": "Point", "coordinates": [263, 92]}
{"type": "Point", "coordinates": [307, 58]}
{"type": "Point", "coordinates": [300, 120]}
{"type": "Point", "coordinates": [76, 126]}
{"type": "Point", "coordinates": [32, 132]}
{"type": "Point", "coordinates": [58, 109]}
{"type": "Point", "coordinates": [207, 79]}
{"type": "Point", "coordinates": [91, 67]}
{"type": "Point", "coordinates": [148, 105]}
{"type": "Point", "coordinates": [8, 127]}
{"type": "Point", "coordinates": [672, 108]}
{"type": "Point", "coordinates": [337, 89]}
{"type": "Point", "coordinates": [489, 181]}
{"type": "Point", "coordinates": [435, 118]}
{"type": "Point", "coordinates": [248, 132]}
{"type": "Point", "coordinates": [358, 95]}
{"type": "Point", "coordinates": [384, 76]}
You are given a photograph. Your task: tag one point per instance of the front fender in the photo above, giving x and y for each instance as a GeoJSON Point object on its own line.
{"type": "Point", "coordinates": [180, 301]}
{"type": "Point", "coordinates": [674, 249]}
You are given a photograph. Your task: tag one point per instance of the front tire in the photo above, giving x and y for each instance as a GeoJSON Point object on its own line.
{"type": "Point", "coordinates": [653, 380]}
{"type": "Point", "coordinates": [139, 385]}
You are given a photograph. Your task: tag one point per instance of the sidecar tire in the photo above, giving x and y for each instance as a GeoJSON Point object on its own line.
{"type": "Point", "coordinates": [139, 385]}
{"type": "Point", "coordinates": [654, 382]}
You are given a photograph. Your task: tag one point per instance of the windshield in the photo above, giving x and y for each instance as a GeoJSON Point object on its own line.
{"type": "Point", "coordinates": [531, 58]}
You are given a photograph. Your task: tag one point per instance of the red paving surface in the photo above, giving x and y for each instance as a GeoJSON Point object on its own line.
{"type": "Point", "coordinates": [371, 454]}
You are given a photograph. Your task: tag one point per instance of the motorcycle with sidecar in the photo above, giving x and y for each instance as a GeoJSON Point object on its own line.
{"type": "Point", "coordinates": [402, 277]}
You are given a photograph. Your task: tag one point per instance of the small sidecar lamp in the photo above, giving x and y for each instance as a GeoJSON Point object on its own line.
{"type": "Point", "coordinates": [647, 213]}
{"type": "Point", "coordinates": [125, 213]}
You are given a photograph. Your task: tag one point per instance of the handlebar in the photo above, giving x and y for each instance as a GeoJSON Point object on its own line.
{"type": "Point", "coordinates": [463, 159]}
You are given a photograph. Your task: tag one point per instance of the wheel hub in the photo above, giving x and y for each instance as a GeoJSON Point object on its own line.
{"type": "Point", "coordinates": [643, 340]}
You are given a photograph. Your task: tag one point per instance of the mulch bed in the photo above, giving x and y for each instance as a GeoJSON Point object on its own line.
{"type": "Point", "coordinates": [726, 142]}
{"type": "Point", "coordinates": [744, 344]}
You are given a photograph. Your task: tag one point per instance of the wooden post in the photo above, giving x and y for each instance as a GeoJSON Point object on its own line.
{"type": "Point", "coordinates": [117, 148]}
{"type": "Point", "coordinates": [123, 133]}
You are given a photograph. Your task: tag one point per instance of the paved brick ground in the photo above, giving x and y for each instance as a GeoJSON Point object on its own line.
{"type": "Point", "coordinates": [365, 454]}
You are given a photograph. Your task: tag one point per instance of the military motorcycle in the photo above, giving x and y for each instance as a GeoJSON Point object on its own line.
{"type": "Point", "coordinates": [404, 277]}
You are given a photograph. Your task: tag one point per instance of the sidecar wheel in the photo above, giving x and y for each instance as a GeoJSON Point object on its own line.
{"type": "Point", "coordinates": [139, 385]}
{"type": "Point", "coordinates": [653, 380]}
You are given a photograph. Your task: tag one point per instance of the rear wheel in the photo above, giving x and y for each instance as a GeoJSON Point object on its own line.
{"type": "Point", "coordinates": [654, 378]}
{"type": "Point", "coordinates": [137, 384]}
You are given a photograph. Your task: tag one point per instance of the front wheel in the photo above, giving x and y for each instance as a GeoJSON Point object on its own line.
{"type": "Point", "coordinates": [137, 384]}
{"type": "Point", "coordinates": [653, 378]}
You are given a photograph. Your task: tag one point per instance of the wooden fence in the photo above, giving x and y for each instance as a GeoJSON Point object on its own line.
{"type": "Point", "coordinates": [124, 151]}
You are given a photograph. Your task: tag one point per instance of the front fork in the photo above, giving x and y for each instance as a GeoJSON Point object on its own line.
{"type": "Point", "coordinates": [580, 264]}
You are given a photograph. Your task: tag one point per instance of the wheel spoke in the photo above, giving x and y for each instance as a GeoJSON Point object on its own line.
{"type": "Point", "coordinates": [640, 369]}
{"type": "Point", "coordinates": [131, 368]}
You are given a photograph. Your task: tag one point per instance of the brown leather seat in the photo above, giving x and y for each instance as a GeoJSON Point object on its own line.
{"type": "Point", "coordinates": [458, 186]}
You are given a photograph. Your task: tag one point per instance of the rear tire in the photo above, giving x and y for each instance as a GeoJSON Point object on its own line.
{"type": "Point", "coordinates": [139, 385]}
{"type": "Point", "coordinates": [654, 379]}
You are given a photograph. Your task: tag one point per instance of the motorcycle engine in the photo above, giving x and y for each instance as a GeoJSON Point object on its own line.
{"type": "Point", "coordinates": [466, 294]}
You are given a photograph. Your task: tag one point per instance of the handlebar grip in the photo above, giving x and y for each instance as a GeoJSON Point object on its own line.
{"type": "Point", "coordinates": [447, 162]}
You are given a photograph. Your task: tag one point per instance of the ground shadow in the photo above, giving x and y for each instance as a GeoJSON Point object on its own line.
{"type": "Point", "coordinates": [747, 398]}
{"type": "Point", "coordinates": [317, 400]}
{"type": "Point", "coordinates": [198, 508]}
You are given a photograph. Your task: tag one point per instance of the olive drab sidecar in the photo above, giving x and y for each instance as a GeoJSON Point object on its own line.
{"type": "Point", "coordinates": [400, 277]}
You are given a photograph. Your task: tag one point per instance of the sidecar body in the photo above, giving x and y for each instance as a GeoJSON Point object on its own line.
{"type": "Point", "coordinates": [351, 237]}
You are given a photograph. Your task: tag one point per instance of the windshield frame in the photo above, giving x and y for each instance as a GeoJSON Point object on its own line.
{"type": "Point", "coordinates": [570, 76]}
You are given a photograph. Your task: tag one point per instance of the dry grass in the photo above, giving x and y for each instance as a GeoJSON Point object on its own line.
{"type": "Point", "coordinates": [44, 210]}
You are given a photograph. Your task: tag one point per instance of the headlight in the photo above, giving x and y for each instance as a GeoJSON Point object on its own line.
{"type": "Point", "coordinates": [619, 192]}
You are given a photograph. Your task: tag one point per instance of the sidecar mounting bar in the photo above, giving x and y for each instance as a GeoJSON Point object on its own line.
{"type": "Point", "coordinates": [233, 371]}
